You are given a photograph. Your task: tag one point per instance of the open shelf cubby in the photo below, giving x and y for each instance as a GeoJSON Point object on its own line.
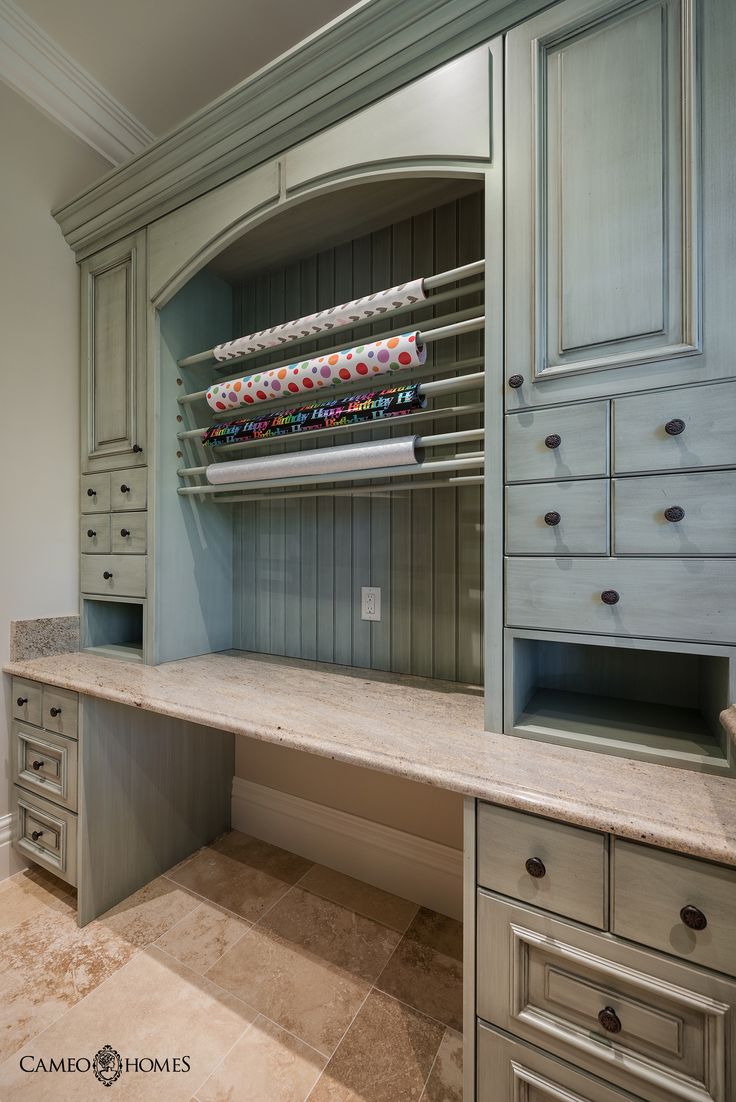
{"type": "Point", "coordinates": [639, 699]}
{"type": "Point", "coordinates": [113, 629]}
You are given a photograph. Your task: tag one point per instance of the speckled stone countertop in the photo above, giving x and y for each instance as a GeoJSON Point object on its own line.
{"type": "Point", "coordinates": [427, 731]}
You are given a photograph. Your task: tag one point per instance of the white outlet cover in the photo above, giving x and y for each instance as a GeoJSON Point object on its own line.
{"type": "Point", "coordinates": [370, 602]}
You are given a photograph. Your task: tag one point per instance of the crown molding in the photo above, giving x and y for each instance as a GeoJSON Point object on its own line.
{"type": "Point", "coordinates": [32, 64]}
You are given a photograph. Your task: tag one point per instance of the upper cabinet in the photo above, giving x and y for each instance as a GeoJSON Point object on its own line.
{"type": "Point", "coordinates": [114, 356]}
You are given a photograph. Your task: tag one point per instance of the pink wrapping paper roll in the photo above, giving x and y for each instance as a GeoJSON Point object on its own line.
{"type": "Point", "coordinates": [352, 365]}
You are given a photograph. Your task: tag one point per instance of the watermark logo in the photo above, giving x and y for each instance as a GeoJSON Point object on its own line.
{"type": "Point", "coordinates": [107, 1065]}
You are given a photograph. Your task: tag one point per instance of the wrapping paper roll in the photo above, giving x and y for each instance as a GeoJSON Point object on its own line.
{"type": "Point", "coordinates": [353, 409]}
{"type": "Point", "coordinates": [353, 364]}
{"type": "Point", "coordinates": [400, 452]}
{"type": "Point", "coordinates": [361, 309]}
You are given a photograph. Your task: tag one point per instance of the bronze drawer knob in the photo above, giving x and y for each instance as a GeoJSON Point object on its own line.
{"type": "Point", "coordinates": [124, 489]}
{"type": "Point", "coordinates": [552, 518]}
{"type": "Point", "coordinates": [21, 701]}
{"type": "Point", "coordinates": [107, 574]}
{"type": "Point", "coordinates": [137, 449]}
{"type": "Point", "coordinates": [37, 764]}
{"type": "Point", "coordinates": [124, 532]}
{"type": "Point", "coordinates": [675, 426]}
{"type": "Point", "coordinates": [54, 712]}
{"type": "Point", "coordinates": [609, 1019]}
{"type": "Point", "coordinates": [552, 441]}
{"type": "Point", "coordinates": [535, 867]}
{"type": "Point", "coordinates": [693, 917]}
{"type": "Point", "coordinates": [36, 835]}
{"type": "Point", "coordinates": [515, 381]}
{"type": "Point", "coordinates": [91, 533]}
{"type": "Point", "coordinates": [91, 492]}
{"type": "Point", "coordinates": [610, 597]}
{"type": "Point", "coordinates": [674, 514]}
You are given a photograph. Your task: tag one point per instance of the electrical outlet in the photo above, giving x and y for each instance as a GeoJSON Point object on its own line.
{"type": "Point", "coordinates": [370, 602]}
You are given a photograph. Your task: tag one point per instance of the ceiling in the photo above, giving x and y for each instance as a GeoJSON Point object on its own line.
{"type": "Point", "coordinates": [165, 59]}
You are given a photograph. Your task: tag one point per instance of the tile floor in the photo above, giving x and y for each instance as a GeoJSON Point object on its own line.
{"type": "Point", "coordinates": [280, 980]}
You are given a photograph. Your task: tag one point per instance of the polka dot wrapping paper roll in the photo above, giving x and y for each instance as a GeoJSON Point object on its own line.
{"type": "Point", "coordinates": [359, 364]}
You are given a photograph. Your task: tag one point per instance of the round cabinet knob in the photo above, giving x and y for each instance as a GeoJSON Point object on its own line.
{"type": "Point", "coordinates": [674, 427]}
{"type": "Point", "coordinates": [693, 917]}
{"type": "Point", "coordinates": [37, 764]}
{"type": "Point", "coordinates": [535, 867]}
{"type": "Point", "coordinates": [107, 574]}
{"type": "Point", "coordinates": [91, 492]}
{"type": "Point", "coordinates": [124, 532]}
{"type": "Point", "coordinates": [36, 835]}
{"type": "Point", "coordinates": [515, 381]}
{"type": "Point", "coordinates": [552, 441]}
{"type": "Point", "coordinates": [54, 712]}
{"type": "Point", "coordinates": [609, 1019]}
{"type": "Point", "coordinates": [124, 489]}
{"type": "Point", "coordinates": [21, 701]}
{"type": "Point", "coordinates": [610, 597]}
{"type": "Point", "coordinates": [137, 449]}
{"type": "Point", "coordinates": [552, 518]}
{"type": "Point", "coordinates": [91, 533]}
{"type": "Point", "coordinates": [674, 514]}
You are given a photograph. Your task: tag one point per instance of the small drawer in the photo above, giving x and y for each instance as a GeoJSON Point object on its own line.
{"type": "Point", "coordinates": [684, 428]}
{"type": "Point", "coordinates": [661, 899]}
{"type": "Point", "coordinates": [27, 701]}
{"type": "Point", "coordinates": [655, 1027]}
{"type": "Point", "coordinates": [95, 493]}
{"type": "Point", "coordinates": [129, 489]}
{"type": "Point", "coordinates": [552, 865]}
{"type": "Point", "coordinates": [46, 834]}
{"type": "Point", "coordinates": [46, 764]}
{"type": "Point", "coordinates": [129, 534]}
{"type": "Point", "coordinates": [124, 575]}
{"type": "Point", "coordinates": [557, 518]}
{"type": "Point", "coordinates": [676, 514]}
{"type": "Point", "coordinates": [60, 711]}
{"type": "Point", "coordinates": [684, 599]}
{"type": "Point", "coordinates": [94, 534]}
{"type": "Point", "coordinates": [557, 443]}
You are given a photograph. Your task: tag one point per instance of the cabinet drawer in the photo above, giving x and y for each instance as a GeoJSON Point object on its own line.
{"type": "Point", "coordinates": [566, 595]}
{"type": "Point", "coordinates": [27, 701]}
{"type": "Point", "coordinates": [45, 763]}
{"type": "Point", "coordinates": [129, 534]}
{"type": "Point", "coordinates": [511, 1071]}
{"type": "Point", "coordinates": [557, 518]}
{"type": "Point", "coordinates": [652, 889]}
{"type": "Point", "coordinates": [684, 428]}
{"type": "Point", "coordinates": [552, 865]}
{"type": "Point", "coordinates": [60, 711]}
{"type": "Point", "coordinates": [129, 489]}
{"type": "Point", "coordinates": [94, 534]}
{"type": "Point", "coordinates": [653, 1026]}
{"type": "Point", "coordinates": [94, 493]}
{"type": "Point", "coordinates": [677, 514]}
{"type": "Point", "coordinates": [557, 443]}
{"type": "Point", "coordinates": [126, 574]}
{"type": "Point", "coordinates": [46, 834]}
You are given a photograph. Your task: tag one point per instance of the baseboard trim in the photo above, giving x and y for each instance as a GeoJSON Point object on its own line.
{"type": "Point", "coordinates": [10, 862]}
{"type": "Point", "coordinates": [418, 869]}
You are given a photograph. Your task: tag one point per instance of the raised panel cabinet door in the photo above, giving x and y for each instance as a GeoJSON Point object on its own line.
{"type": "Point", "coordinates": [114, 356]}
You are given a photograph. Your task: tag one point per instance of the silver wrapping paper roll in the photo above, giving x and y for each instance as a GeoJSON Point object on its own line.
{"type": "Point", "coordinates": [400, 452]}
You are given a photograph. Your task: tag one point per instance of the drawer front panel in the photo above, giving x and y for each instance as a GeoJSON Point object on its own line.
{"type": "Point", "coordinates": [700, 421]}
{"type": "Point", "coordinates": [129, 489]}
{"type": "Point", "coordinates": [573, 863]}
{"type": "Point", "coordinates": [94, 493]}
{"type": "Point", "coordinates": [27, 701]}
{"type": "Point", "coordinates": [126, 574]}
{"type": "Point", "coordinates": [534, 453]}
{"type": "Point", "coordinates": [47, 764]}
{"type": "Point", "coordinates": [557, 518]}
{"type": "Point", "coordinates": [678, 514]}
{"type": "Point", "coordinates": [60, 711]}
{"type": "Point", "coordinates": [657, 1028]}
{"type": "Point", "coordinates": [94, 534]}
{"type": "Point", "coordinates": [652, 889]}
{"type": "Point", "coordinates": [566, 595]}
{"type": "Point", "coordinates": [129, 534]}
{"type": "Point", "coordinates": [46, 834]}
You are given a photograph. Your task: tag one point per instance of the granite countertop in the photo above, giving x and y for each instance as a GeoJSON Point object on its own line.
{"type": "Point", "coordinates": [428, 731]}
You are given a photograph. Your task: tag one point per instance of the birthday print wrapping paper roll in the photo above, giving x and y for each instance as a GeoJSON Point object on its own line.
{"type": "Point", "coordinates": [322, 413]}
{"type": "Point", "coordinates": [361, 309]}
{"type": "Point", "coordinates": [401, 452]}
{"type": "Point", "coordinates": [357, 364]}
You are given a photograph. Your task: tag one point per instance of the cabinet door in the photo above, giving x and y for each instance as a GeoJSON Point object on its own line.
{"type": "Point", "coordinates": [603, 219]}
{"type": "Point", "coordinates": [114, 356]}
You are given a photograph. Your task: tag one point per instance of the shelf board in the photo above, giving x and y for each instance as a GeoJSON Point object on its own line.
{"type": "Point", "coordinates": [126, 652]}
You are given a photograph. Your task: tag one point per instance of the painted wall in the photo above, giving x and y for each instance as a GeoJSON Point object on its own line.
{"type": "Point", "coordinates": [42, 165]}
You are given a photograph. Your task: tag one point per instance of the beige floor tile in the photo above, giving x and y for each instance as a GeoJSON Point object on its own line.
{"type": "Point", "coordinates": [29, 892]}
{"type": "Point", "coordinates": [150, 912]}
{"type": "Point", "coordinates": [426, 970]}
{"type": "Point", "coordinates": [366, 900]}
{"type": "Point", "coordinates": [385, 1056]}
{"type": "Point", "coordinates": [266, 1065]}
{"type": "Point", "coordinates": [445, 1083]}
{"type": "Point", "coordinates": [154, 1008]}
{"type": "Point", "coordinates": [438, 932]}
{"type": "Point", "coordinates": [201, 938]}
{"type": "Point", "coordinates": [257, 854]}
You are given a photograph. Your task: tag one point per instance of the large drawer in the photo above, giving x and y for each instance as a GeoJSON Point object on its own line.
{"type": "Point", "coordinates": [552, 865]}
{"type": "Point", "coordinates": [656, 1027]}
{"type": "Point", "coordinates": [570, 442]}
{"type": "Point", "coordinates": [689, 427]}
{"type": "Point", "coordinates": [94, 534]}
{"type": "Point", "coordinates": [676, 514]}
{"type": "Point", "coordinates": [27, 701]}
{"type": "Point", "coordinates": [60, 711]}
{"type": "Point", "coordinates": [46, 764]}
{"type": "Point", "coordinates": [129, 534]}
{"type": "Point", "coordinates": [557, 518]}
{"type": "Point", "coordinates": [128, 489]}
{"type": "Point", "coordinates": [662, 899]}
{"type": "Point", "coordinates": [687, 599]}
{"type": "Point", "coordinates": [46, 834]}
{"type": "Point", "coordinates": [123, 575]}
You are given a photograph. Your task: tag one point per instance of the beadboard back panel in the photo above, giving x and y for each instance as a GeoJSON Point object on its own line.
{"type": "Point", "coordinates": [300, 564]}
